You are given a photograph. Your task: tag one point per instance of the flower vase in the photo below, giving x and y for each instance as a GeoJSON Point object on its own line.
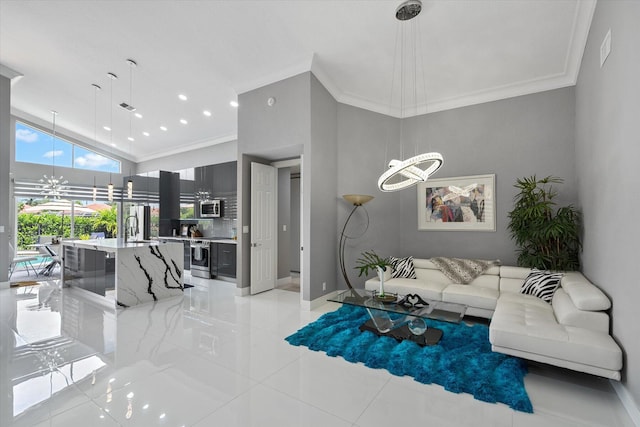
{"type": "Point", "coordinates": [381, 271]}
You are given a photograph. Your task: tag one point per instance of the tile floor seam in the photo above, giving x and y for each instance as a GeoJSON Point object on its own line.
{"type": "Point", "coordinates": [306, 403]}
{"type": "Point", "coordinates": [373, 399]}
{"type": "Point", "coordinates": [226, 404]}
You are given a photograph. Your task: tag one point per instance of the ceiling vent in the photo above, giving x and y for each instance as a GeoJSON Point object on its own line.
{"type": "Point", "coordinates": [129, 108]}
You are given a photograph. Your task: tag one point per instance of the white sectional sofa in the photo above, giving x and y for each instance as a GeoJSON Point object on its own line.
{"type": "Point", "coordinates": [572, 332]}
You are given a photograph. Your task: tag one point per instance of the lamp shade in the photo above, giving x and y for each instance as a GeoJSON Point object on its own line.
{"type": "Point", "coordinates": [357, 199]}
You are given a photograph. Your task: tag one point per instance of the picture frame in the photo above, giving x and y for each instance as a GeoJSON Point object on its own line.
{"type": "Point", "coordinates": [464, 203]}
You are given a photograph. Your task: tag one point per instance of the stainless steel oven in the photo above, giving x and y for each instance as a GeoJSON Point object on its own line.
{"type": "Point", "coordinates": [200, 258]}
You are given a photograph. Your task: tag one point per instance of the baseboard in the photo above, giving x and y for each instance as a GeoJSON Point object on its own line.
{"type": "Point", "coordinates": [243, 292]}
{"type": "Point", "coordinates": [284, 281]}
{"type": "Point", "coordinates": [627, 401]}
{"type": "Point", "coordinates": [312, 305]}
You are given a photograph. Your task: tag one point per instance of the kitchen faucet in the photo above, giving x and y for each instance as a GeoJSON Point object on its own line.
{"type": "Point", "coordinates": [128, 229]}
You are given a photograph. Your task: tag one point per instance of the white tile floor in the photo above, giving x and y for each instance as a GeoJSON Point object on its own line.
{"type": "Point", "coordinates": [213, 359]}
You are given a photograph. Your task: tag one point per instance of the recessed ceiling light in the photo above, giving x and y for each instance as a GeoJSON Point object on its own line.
{"type": "Point", "coordinates": [130, 138]}
{"type": "Point", "coordinates": [138, 115]}
{"type": "Point", "coordinates": [107, 128]}
{"type": "Point", "coordinates": [182, 97]}
{"type": "Point", "coordinates": [113, 144]}
{"type": "Point", "coordinates": [183, 121]}
{"type": "Point", "coordinates": [234, 104]}
{"type": "Point", "coordinates": [164, 128]}
{"type": "Point", "coordinates": [145, 133]}
{"type": "Point", "coordinates": [207, 113]}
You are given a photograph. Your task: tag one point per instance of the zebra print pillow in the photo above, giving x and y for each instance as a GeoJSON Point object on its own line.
{"type": "Point", "coordinates": [541, 284]}
{"type": "Point", "coordinates": [402, 267]}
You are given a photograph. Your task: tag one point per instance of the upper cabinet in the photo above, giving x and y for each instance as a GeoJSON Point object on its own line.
{"type": "Point", "coordinates": [219, 180]}
{"type": "Point", "coordinates": [224, 179]}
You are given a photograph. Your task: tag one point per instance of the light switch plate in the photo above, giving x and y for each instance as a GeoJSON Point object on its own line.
{"type": "Point", "coordinates": [284, 227]}
{"type": "Point", "coordinates": [245, 229]}
{"type": "Point", "coordinates": [1, 228]}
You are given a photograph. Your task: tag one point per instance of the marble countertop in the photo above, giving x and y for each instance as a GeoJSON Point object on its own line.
{"type": "Point", "coordinates": [208, 239]}
{"type": "Point", "coordinates": [109, 245]}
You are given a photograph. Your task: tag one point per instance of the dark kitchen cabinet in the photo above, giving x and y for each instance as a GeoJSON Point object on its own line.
{"type": "Point", "coordinates": [187, 255]}
{"type": "Point", "coordinates": [89, 269]}
{"type": "Point", "coordinates": [223, 259]}
{"type": "Point", "coordinates": [224, 179]}
{"type": "Point", "coordinates": [219, 180]}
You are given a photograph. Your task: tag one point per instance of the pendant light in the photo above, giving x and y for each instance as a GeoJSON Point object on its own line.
{"type": "Point", "coordinates": [52, 186]}
{"type": "Point", "coordinates": [131, 109]}
{"type": "Point", "coordinates": [112, 77]}
{"type": "Point", "coordinates": [403, 174]}
{"type": "Point", "coordinates": [202, 194]}
{"type": "Point", "coordinates": [96, 88]}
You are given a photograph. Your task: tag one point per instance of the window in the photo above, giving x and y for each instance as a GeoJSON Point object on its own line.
{"type": "Point", "coordinates": [36, 146]}
{"type": "Point", "coordinates": [87, 159]}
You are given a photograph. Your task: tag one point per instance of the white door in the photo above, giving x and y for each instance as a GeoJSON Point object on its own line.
{"type": "Point", "coordinates": [301, 230]}
{"type": "Point", "coordinates": [263, 227]}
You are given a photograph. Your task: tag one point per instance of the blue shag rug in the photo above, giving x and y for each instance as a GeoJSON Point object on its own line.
{"type": "Point", "coordinates": [462, 362]}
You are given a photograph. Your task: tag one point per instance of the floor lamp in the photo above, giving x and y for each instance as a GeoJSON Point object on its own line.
{"type": "Point", "coordinates": [357, 200]}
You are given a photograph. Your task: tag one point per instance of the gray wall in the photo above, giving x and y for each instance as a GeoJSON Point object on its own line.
{"type": "Point", "coordinates": [284, 221]}
{"type": "Point", "coordinates": [362, 146]}
{"type": "Point", "coordinates": [5, 177]}
{"type": "Point", "coordinates": [211, 155]}
{"type": "Point", "coordinates": [266, 134]}
{"type": "Point", "coordinates": [320, 180]}
{"type": "Point", "coordinates": [512, 138]}
{"type": "Point", "coordinates": [303, 121]}
{"type": "Point", "coordinates": [607, 153]}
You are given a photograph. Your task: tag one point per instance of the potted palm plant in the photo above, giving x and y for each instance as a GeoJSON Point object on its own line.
{"type": "Point", "coordinates": [369, 260]}
{"type": "Point", "coordinates": [548, 237]}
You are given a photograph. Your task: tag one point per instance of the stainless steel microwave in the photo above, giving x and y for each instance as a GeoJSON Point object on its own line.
{"type": "Point", "coordinates": [210, 209]}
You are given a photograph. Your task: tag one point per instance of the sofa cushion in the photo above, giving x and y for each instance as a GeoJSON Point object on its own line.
{"type": "Point", "coordinates": [528, 324]}
{"type": "Point", "coordinates": [401, 286]}
{"type": "Point", "coordinates": [510, 272]}
{"type": "Point", "coordinates": [402, 267]}
{"type": "Point", "coordinates": [541, 284]}
{"type": "Point", "coordinates": [583, 293]}
{"type": "Point", "coordinates": [474, 296]}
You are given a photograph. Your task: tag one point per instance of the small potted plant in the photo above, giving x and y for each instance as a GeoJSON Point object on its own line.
{"type": "Point", "coordinates": [372, 261]}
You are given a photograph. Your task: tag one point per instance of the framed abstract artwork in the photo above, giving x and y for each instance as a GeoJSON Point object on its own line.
{"type": "Point", "coordinates": [464, 203]}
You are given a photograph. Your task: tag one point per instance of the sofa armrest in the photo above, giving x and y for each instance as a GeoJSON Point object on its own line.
{"type": "Point", "coordinates": [584, 294]}
{"type": "Point", "coordinates": [568, 314]}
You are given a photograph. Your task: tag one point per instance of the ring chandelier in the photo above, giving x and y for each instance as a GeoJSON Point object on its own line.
{"type": "Point", "coordinates": [418, 168]}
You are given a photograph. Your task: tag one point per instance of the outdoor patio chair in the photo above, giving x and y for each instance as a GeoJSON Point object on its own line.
{"type": "Point", "coordinates": [25, 260]}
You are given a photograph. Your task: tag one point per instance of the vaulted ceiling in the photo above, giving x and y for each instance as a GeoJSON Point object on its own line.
{"type": "Point", "coordinates": [468, 52]}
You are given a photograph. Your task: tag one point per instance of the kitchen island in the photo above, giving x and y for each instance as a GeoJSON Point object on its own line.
{"type": "Point", "coordinates": [127, 273]}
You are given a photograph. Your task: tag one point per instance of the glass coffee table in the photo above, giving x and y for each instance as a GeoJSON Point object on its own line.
{"type": "Point", "coordinates": [413, 311]}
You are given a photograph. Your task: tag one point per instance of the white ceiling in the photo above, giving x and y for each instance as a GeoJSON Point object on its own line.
{"type": "Point", "coordinates": [472, 51]}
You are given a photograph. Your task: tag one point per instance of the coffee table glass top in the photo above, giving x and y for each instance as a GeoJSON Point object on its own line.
{"type": "Point", "coordinates": [410, 305]}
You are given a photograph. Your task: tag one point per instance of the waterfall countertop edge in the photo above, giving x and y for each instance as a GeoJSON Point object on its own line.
{"type": "Point", "coordinates": [110, 245]}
